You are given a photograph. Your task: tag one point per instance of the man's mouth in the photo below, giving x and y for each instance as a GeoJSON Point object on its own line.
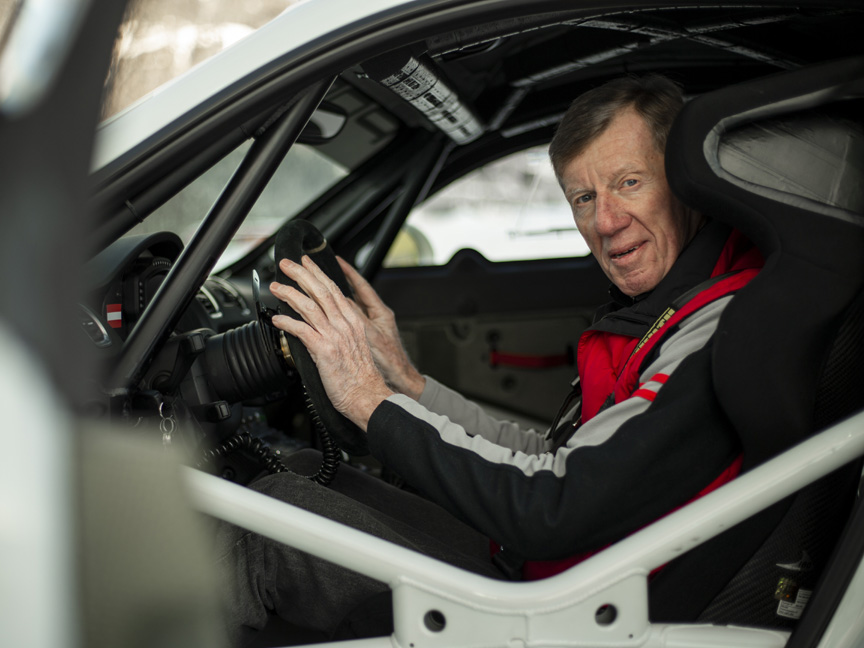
{"type": "Point", "coordinates": [618, 255]}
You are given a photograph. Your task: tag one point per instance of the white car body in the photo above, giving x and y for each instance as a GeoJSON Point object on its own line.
{"type": "Point", "coordinates": [286, 35]}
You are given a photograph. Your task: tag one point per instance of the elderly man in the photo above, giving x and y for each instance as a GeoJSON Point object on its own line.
{"type": "Point", "coordinates": [647, 438]}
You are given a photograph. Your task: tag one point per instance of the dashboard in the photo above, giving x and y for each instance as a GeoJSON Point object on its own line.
{"type": "Point", "coordinates": [219, 367]}
{"type": "Point", "coordinates": [123, 279]}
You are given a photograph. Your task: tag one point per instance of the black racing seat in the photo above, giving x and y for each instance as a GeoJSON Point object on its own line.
{"type": "Point", "coordinates": [782, 160]}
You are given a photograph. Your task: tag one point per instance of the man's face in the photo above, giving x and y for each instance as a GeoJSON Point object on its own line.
{"type": "Point", "coordinates": [624, 208]}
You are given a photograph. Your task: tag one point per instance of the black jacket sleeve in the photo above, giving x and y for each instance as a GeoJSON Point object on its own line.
{"type": "Point", "coordinates": [588, 493]}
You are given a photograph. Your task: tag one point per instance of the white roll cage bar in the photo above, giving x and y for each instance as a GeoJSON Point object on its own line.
{"type": "Point", "coordinates": [437, 605]}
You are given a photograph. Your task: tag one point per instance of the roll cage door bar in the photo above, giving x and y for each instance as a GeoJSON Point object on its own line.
{"type": "Point", "coordinates": [216, 231]}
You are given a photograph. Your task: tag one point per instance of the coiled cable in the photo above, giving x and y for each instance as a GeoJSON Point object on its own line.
{"type": "Point", "coordinates": [244, 441]}
{"type": "Point", "coordinates": [241, 363]}
{"type": "Point", "coordinates": [329, 450]}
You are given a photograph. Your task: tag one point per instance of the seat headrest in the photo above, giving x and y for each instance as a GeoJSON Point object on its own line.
{"type": "Point", "coordinates": [781, 159]}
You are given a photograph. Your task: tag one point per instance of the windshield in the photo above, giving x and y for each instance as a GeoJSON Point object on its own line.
{"type": "Point", "coordinates": [304, 174]}
{"type": "Point", "coordinates": [159, 40]}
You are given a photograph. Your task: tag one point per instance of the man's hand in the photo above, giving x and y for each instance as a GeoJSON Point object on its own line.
{"type": "Point", "coordinates": [334, 331]}
{"type": "Point", "coordinates": [383, 336]}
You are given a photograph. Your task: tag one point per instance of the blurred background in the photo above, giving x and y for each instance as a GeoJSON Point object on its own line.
{"type": "Point", "coordinates": [509, 210]}
{"type": "Point", "coordinates": [161, 39]}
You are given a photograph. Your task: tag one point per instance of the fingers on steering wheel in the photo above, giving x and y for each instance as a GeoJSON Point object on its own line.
{"type": "Point", "coordinates": [304, 305]}
{"type": "Point", "coordinates": [325, 296]}
{"type": "Point", "coordinates": [357, 281]}
{"type": "Point", "coordinates": [333, 294]}
{"type": "Point", "coordinates": [364, 292]}
{"type": "Point", "coordinates": [302, 330]}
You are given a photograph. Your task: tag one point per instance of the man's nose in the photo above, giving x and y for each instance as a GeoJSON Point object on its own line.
{"type": "Point", "coordinates": [609, 217]}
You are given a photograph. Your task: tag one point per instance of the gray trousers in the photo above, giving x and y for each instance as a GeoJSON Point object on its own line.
{"type": "Point", "coordinates": [265, 577]}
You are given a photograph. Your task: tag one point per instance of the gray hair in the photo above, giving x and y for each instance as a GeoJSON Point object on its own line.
{"type": "Point", "coordinates": [656, 98]}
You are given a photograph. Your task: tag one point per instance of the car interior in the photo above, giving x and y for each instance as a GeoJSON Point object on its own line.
{"type": "Point", "coordinates": [345, 155]}
{"type": "Point", "coordinates": [742, 130]}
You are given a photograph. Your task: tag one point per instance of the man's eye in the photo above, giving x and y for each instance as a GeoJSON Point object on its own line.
{"type": "Point", "coordinates": [631, 182]}
{"type": "Point", "coordinates": [581, 200]}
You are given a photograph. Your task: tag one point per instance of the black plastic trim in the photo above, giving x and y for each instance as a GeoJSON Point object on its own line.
{"type": "Point", "coordinates": [834, 583]}
{"type": "Point", "coordinates": [422, 172]}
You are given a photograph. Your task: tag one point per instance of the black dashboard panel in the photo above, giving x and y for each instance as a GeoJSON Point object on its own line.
{"type": "Point", "coordinates": [123, 279]}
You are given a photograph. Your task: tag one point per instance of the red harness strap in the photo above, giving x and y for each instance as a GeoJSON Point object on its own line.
{"type": "Point", "coordinates": [627, 382]}
{"type": "Point", "coordinates": [614, 363]}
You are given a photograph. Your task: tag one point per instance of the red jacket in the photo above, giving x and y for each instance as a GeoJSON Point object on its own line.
{"type": "Point", "coordinates": [610, 363]}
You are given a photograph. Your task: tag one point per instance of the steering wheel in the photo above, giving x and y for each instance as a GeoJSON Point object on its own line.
{"type": "Point", "coordinates": [296, 239]}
